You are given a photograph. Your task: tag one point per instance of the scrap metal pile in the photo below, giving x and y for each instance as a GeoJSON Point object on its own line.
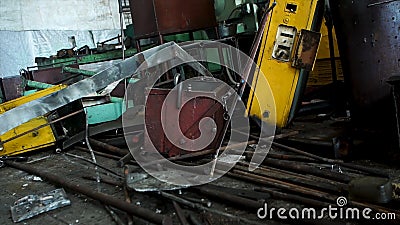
{"type": "Point", "coordinates": [289, 174]}
{"type": "Point", "coordinates": [185, 133]}
{"type": "Point", "coordinates": [288, 177]}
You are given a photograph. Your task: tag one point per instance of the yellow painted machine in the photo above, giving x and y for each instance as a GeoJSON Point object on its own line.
{"type": "Point", "coordinates": [287, 53]}
{"type": "Point", "coordinates": [32, 135]}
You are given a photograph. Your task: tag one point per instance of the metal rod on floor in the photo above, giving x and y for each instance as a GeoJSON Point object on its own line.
{"type": "Point", "coordinates": [127, 195]}
{"type": "Point", "coordinates": [114, 216]}
{"type": "Point", "coordinates": [180, 214]}
{"type": "Point", "coordinates": [305, 191]}
{"type": "Point", "coordinates": [281, 184]}
{"type": "Point", "coordinates": [299, 180]}
{"type": "Point", "coordinates": [293, 197]}
{"type": "Point", "coordinates": [93, 163]}
{"type": "Point", "coordinates": [104, 198]}
{"type": "Point", "coordinates": [108, 147]}
{"type": "Point", "coordinates": [98, 153]}
{"type": "Point", "coordinates": [200, 207]}
{"type": "Point", "coordinates": [333, 161]}
{"type": "Point", "coordinates": [306, 169]}
{"type": "Point", "coordinates": [249, 204]}
{"type": "Point", "coordinates": [91, 151]}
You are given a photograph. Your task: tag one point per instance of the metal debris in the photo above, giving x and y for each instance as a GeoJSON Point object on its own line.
{"type": "Point", "coordinates": [32, 178]}
{"type": "Point", "coordinates": [32, 205]}
{"type": "Point", "coordinates": [142, 182]}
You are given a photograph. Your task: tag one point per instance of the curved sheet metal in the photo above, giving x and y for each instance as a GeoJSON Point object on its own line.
{"type": "Point", "coordinates": [89, 86]}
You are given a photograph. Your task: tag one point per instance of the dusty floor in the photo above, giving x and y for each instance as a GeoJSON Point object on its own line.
{"type": "Point", "coordinates": [83, 210]}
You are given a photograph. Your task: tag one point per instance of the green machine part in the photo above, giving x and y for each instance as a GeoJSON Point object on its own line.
{"type": "Point", "coordinates": [244, 11]}
{"type": "Point", "coordinates": [86, 59]}
{"type": "Point", "coordinates": [105, 112]}
{"type": "Point", "coordinates": [96, 114]}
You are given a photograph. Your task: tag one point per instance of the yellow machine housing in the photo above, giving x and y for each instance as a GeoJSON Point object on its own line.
{"type": "Point", "coordinates": [28, 141]}
{"type": "Point", "coordinates": [283, 61]}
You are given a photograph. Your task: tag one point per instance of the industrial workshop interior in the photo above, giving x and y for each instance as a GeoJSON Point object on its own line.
{"type": "Point", "coordinates": [200, 112]}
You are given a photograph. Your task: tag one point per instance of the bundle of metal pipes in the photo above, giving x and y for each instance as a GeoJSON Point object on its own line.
{"type": "Point", "coordinates": [291, 175]}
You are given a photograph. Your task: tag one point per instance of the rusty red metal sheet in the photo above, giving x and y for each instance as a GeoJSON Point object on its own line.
{"type": "Point", "coordinates": [54, 75]}
{"type": "Point", "coordinates": [160, 17]}
{"type": "Point", "coordinates": [12, 87]}
{"type": "Point", "coordinates": [190, 115]}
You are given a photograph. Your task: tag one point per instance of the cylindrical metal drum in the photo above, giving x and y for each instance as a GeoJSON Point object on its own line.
{"type": "Point", "coordinates": [368, 33]}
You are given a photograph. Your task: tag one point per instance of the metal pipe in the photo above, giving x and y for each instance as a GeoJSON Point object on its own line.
{"type": "Point", "coordinates": [104, 180]}
{"type": "Point", "coordinates": [78, 71]}
{"type": "Point", "coordinates": [316, 182]}
{"type": "Point", "coordinates": [281, 184]}
{"type": "Point", "coordinates": [125, 159]}
{"type": "Point", "coordinates": [194, 220]}
{"type": "Point", "coordinates": [329, 26]}
{"type": "Point", "coordinates": [180, 214]}
{"type": "Point", "coordinates": [295, 150]}
{"type": "Point", "coordinates": [127, 196]}
{"type": "Point", "coordinates": [114, 216]}
{"type": "Point", "coordinates": [334, 161]}
{"type": "Point", "coordinates": [307, 191]}
{"type": "Point", "coordinates": [199, 153]}
{"type": "Point", "coordinates": [306, 169]}
{"type": "Point", "coordinates": [108, 147]}
{"type": "Point", "coordinates": [289, 157]}
{"type": "Point", "coordinates": [249, 204]}
{"type": "Point", "coordinates": [91, 149]}
{"type": "Point", "coordinates": [380, 3]}
{"type": "Point", "coordinates": [38, 85]}
{"type": "Point", "coordinates": [85, 190]}
{"type": "Point", "coordinates": [97, 153]}
{"type": "Point", "coordinates": [255, 46]}
{"type": "Point", "coordinates": [93, 163]}
{"type": "Point", "coordinates": [292, 197]}
{"type": "Point", "coordinates": [200, 207]}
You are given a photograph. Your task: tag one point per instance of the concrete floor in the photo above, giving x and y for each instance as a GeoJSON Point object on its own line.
{"type": "Point", "coordinates": [83, 210]}
{"type": "Point", "coordinates": [15, 184]}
